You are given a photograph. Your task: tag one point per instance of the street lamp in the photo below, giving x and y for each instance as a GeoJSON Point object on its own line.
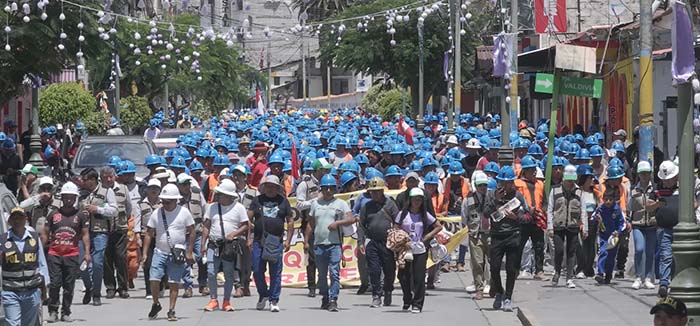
{"type": "Point", "coordinates": [35, 140]}
{"type": "Point", "coordinates": [420, 74]}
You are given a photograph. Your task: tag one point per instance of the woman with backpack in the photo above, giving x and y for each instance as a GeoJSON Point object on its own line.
{"type": "Point", "coordinates": [421, 227]}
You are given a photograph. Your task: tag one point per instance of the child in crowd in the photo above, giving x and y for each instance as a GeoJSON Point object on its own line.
{"type": "Point", "coordinates": [611, 223]}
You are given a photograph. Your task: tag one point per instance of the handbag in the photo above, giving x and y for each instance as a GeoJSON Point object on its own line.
{"type": "Point", "coordinates": [271, 248]}
{"type": "Point", "coordinates": [177, 251]}
{"type": "Point", "coordinates": [228, 249]}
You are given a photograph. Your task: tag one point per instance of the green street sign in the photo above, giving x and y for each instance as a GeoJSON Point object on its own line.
{"type": "Point", "coordinates": [544, 83]}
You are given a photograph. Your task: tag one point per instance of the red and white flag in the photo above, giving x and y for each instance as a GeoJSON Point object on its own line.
{"type": "Point", "coordinates": [295, 160]}
{"type": "Point", "coordinates": [404, 129]}
{"type": "Point", "coordinates": [259, 101]}
{"type": "Point", "coordinates": [550, 16]}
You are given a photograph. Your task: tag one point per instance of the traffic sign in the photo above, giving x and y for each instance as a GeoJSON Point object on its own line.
{"type": "Point", "coordinates": [544, 83]}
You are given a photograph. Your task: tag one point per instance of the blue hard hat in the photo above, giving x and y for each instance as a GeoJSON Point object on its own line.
{"type": "Point", "coordinates": [591, 140]}
{"type": "Point", "coordinates": [495, 133]}
{"type": "Point", "coordinates": [178, 162]}
{"type": "Point", "coordinates": [308, 165]}
{"type": "Point", "coordinates": [114, 161]}
{"type": "Point", "coordinates": [9, 143]}
{"type": "Point", "coordinates": [492, 167]}
{"type": "Point", "coordinates": [415, 166]}
{"type": "Point", "coordinates": [566, 148]}
{"type": "Point", "coordinates": [599, 136]}
{"type": "Point", "coordinates": [397, 149]}
{"type": "Point", "coordinates": [221, 160]}
{"type": "Point", "coordinates": [557, 161]}
{"type": "Point", "coordinates": [80, 126]}
{"type": "Point", "coordinates": [582, 154]}
{"type": "Point", "coordinates": [431, 178]}
{"type": "Point", "coordinates": [578, 138]}
{"type": "Point", "coordinates": [615, 172]}
{"type": "Point", "coordinates": [49, 152]}
{"type": "Point", "coordinates": [196, 166]}
{"type": "Point", "coordinates": [372, 173]}
{"type": "Point", "coordinates": [455, 154]}
{"type": "Point", "coordinates": [171, 153]}
{"type": "Point", "coordinates": [584, 169]}
{"type": "Point", "coordinates": [347, 177]}
{"type": "Point", "coordinates": [428, 162]}
{"type": "Point", "coordinates": [521, 143]}
{"type": "Point", "coordinates": [506, 173]}
{"type": "Point", "coordinates": [596, 151]}
{"type": "Point", "coordinates": [276, 159]}
{"type": "Point", "coordinates": [615, 162]}
{"type": "Point", "coordinates": [113, 122]}
{"type": "Point", "coordinates": [534, 149]}
{"type": "Point", "coordinates": [328, 181]}
{"type": "Point", "coordinates": [494, 144]}
{"type": "Point", "coordinates": [493, 184]}
{"type": "Point", "coordinates": [445, 161]}
{"type": "Point", "coordinates": [287, 166]}
{"type": "Point", "coordinates": [152, 159]}
{"type": "Point", "coordinates": [361, 159]}
{"type": "Point", "coordinates": [393, 170]}
{"type": "Point", "coordinates": [456, 168]}
{"type": "Point", "coordinates": [153, 123]}
{"type": "Point", "coordinates": [528, 162]}
{"type": "Point", "coordinates": [618, 146]}
{"type": "Point", "coordinates": [125, 167]}
{"type": "Point", "coordinates": [465, 137]}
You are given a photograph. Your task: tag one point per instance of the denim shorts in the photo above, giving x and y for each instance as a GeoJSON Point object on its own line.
{"type": "Point", "coordinates": [161, 264]}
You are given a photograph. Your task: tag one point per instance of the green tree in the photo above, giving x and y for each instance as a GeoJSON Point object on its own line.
{"type": "Point", "coordinates": [134, 113]}
{"type": "Point", "coordinates": [370, 52]}
{"type": "Point", "coordinates": [64, 103]}
{"type": "Point", "coordinates": [385, 101]}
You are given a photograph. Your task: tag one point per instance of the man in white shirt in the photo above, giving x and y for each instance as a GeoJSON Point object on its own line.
{"type": "Point", "coordinates": [153, 131]}
{"type": "Point", "coordinates": [229, 213]}
{"type": "Point", "coordinates": [170, 225]}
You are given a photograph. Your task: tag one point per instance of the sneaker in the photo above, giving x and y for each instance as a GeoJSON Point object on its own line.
{"type": "Point", "coordinates": [111, 294]}
{"type": "Point", "coordinates": [187, 294]}
{"type": "Point", "coordinates": [212, 305]}
{"type": "Point", "coordinates": [363, 289]}
{"type": "Point", "coordinates": [312, 292]}
{"type": "Point", "coordinates": [333, 306]}
{"type": "Point", "coordinates": [324, 304]}
{"type": "Point", "coordinates": [149, 297]}
{"type": "Point", "coordinates": [262, 302]}
{"type": "Point", "coordinates": [387, 299]}
{"type": "Point", "coordinates": [507, 305]}
{"type": "Point", "coordinates": [66, 319]}
{"type": "Point", "coordinates": [581, 276]}
{"type": "Point", "coordinates": [155, 309]}
{"type": "Point", "coordinates": [53, 317]}
{"type": "Point", "coordinates": [648, 284]}
{"type": "Point", "coordinates": [406, 307]}
{"type": "Point", "coordinates": [171, 315]}
{"type": "Point", "coordinates": [525, 274]}
{"type": "Point", "coordinates": [570, 284]}
{"type": "Point", "coordinates": [487, 289]}
{"type": "Point", "coordinates": [471, 288]}
{"type": "Point", "coordinates": [227, 306]}
{"type": "Point", "coordinates": [555, 280]}
{"type": "Point", "coordinates": [599, 278]}
{"type": "Point", "coordinates": [96, 301]}
{"type": "Point", "coordinates": [274, 307]}
{"type": "Point", "coordinates": [663, 291]}
{"type": "Point", "coordinates": [415, 310]}
{"type": "Point", "coordinates": [124, 294]}
{"type": "Point", "coordinates": [376, 302]}
{"type": "Point", "coordinates": [620, 275]}
{"type": "Point", "coordinates": [498, 302]}
{"type": "Point", "coordinates": [87, 297]}
{"type": "Point", "coordinates": [637, 284]}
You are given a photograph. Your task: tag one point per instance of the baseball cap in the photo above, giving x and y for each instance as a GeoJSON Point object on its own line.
{"type": "Point", "coordinates": [416, 192]}
{"type": "Point", "coordinates": [643, 166]}
{"type": "Point", "coordinates": [570, 173]}
{"type": "Point", "coordinates": [28, 168]}
{"type": "Point", "coordinates": [671, 306]}
{"type": "Point", "coordinates": [45, 181]}
{"type": "Point", "coordinates": [621, 133]}
{"type": "Point", "coordinates": [480, 178]}
{"type": "Point", "coordinates": [412, 175]}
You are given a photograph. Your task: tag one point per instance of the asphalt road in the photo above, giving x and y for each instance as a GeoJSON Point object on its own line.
{"type": "Point", "coordinates": [449, 304]}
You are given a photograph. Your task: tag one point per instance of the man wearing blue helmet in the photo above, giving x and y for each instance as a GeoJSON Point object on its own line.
{"type": "Point", "coordinates": [153, 131]}
{"type": "Point", "coordinates": [114, 128]}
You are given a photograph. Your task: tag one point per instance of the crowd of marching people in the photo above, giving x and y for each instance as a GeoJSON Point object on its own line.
{"type": "Point", "coordinates": [218, 206]}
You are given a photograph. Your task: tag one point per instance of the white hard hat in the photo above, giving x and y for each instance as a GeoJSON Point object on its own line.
{"type": "Point", "coordinates": [171, 177]}
{"type": "Point", "coordinates": [170, 191]}
{"type": "Point", "coordinates": [45, 181]}
{"type": "Point", "coordinates": [153, 183]}
{"type": "Point", "coordinates": [70, 189]}
{"type": "Point", "coordinates": [480, 177]}
{"type": "Point", "coordinates": [667, 170]}
{"type": "Point", "coordinates": [183, 178]}
{"type": "Point", "coordinates": [473, 143]}
{"type": "Point", "coordinates": [539, 174]}
{"type": "Point", "coordinates": [226, 187]}
{"type": "Point", "coordinates": [643, 166]}
{"type": "Point", "coordinates": [452, 140]}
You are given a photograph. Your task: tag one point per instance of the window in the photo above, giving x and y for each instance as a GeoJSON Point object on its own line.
{"type": "Point", "coordinates": [339, 86]}
{"type": "Point", "coordinates": [276, 81]}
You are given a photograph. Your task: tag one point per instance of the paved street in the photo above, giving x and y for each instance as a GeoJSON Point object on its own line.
{"type": "Point", "coordinates": [445, 305]}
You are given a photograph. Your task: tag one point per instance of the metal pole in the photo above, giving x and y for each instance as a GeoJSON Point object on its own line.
{"type": "Point", "coordinates": [269, 77]}
{"type": "Point", "coordinates": [514, 102]}
{"type": "Point", "coordinates": [403, 101]}
{"type": "Point", "coordinates": [457, 103]}
{"type": "Point", "coordinates": [328, 82]}
{"type": "Point", "coordinates": [420, 75]}
{"type": "Point", "coordinates": [552, 131]}
{"type": "Point", "coordinates": [646, 85]}
{"type": "Point", "coordinates": [303, 71]}
{"type": "Point", "coordinates": [35, 141]}
{"type": "Point", "coordinates": [167, 96]}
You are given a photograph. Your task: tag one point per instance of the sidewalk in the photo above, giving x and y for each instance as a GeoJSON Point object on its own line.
{"type": "Point", "coordinates": [539, 304]}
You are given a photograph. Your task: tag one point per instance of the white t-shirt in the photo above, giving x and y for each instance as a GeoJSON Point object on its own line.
{"type": "Point", "coordinates": [178, 221]}
{"type": "Point", "coordinates": [234, 215]}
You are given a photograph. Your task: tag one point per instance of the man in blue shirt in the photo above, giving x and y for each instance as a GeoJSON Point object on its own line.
{"type": "Point", "coordinates": [24, 271]}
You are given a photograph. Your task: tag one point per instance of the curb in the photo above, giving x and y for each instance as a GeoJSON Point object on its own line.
{"type": "Point", "coordinates": [526, 317]}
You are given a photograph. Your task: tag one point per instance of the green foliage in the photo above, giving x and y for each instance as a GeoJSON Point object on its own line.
{"type": "Point", "coordinates": [134, 113]}
{"type": "Point", "coordinates": [96, 122]}
{"type": "Point", "coordinates": [385, 101]}
{"type": "Point", "coordinates": [64, 103]}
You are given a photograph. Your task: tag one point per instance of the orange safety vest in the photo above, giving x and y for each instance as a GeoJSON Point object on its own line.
{"type": "Point", "coordinates": [439, 203]}
{"type": "Point", "coordinates": [212, 182]}
{"type": "Point", "coordinates": [516, 166]}
{"type": "Point", "coordinates": [533, 192]}
{"type": "Point", "coordinates": [288, 185]}
{"type": "Point", "coordinates": [447, 184]}
{"type": "Point", "coordinates": [623, 194]}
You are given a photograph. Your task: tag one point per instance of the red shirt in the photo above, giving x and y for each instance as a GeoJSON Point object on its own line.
{"type": "Point", "coordinates": [257, 172]}
{"type": "Point", "coordinates": [65, 232]}
{"type": "Point", "coordinates": [482, 163]}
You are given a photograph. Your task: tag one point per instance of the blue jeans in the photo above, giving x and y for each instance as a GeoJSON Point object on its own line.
{"type": "Point", "coordinates": [606, 258]}
{"type": "Point", "coordinates": [201, 275]}
{"type": "Point", "coordinates": [644, 251]}
{"type": "Point", "coordinates": [328, 264]}
{"type": "Point", "coordinates": [214, 262]}
{"type": "Point", "coordinates": [462, 254]}
{"type": "Point", "coordinates": [21, 308]}
{"type": "Point", "coordinates": [259, 267]}
{"type": "Point", "coordinates": [92, 276]}
{"type": "Point", "coordinates": [664, 255]}
{"type": "Point", "coordinates": [162, 264]}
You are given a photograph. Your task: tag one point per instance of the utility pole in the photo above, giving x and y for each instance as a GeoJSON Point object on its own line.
{"type": "Point", "coordinates": [552, 130]}
{"type": "Point", "coordinates": [420, 75]}
{"type": "Point", "coordinates": [303, 71]}
{"type": "Point", "coordinates": [646, 85]}
{"type": "Point", "coordinates": [328, 82]}
{"type": "Point", "coordinates": [509, 116]}
{"type": "Point", "coordinates": [457, 102]}
{"type": "Point", "coordinates": [269, 76]}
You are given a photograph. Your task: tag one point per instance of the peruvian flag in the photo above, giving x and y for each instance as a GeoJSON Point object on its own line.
{"type": "Point", "coordinates": [259, 101]}
{"type": "Point", "coordinates": [295, 161]}
{"type": "Point", "coordinates": [404, 129]}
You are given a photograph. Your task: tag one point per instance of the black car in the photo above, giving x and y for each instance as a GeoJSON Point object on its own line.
{"type": "Point", "coordinates": [96, 151]}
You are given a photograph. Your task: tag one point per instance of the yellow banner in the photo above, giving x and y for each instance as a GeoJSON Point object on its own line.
{"type": "Point", "coordinates": [295, 260]}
